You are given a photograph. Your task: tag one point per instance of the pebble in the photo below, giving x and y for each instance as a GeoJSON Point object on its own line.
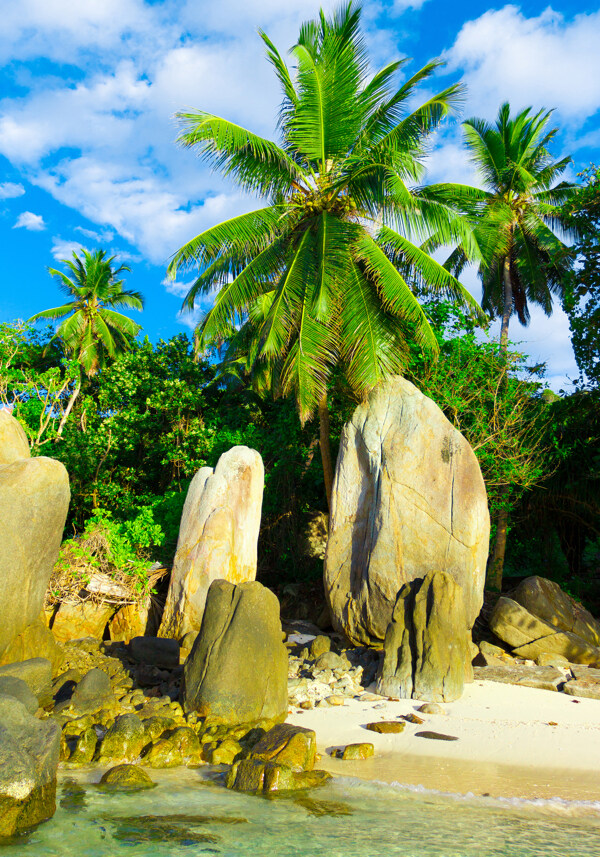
{"type": "Point", "coordinates": [336, 700]}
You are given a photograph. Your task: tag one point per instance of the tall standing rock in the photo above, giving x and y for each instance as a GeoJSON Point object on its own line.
{"type": "Point", "coordinates": [408, 498]}
{"type": "Point", "coordinates": [34, 499]}
{"type": "Point", "coordinates": [218, 536]}
{"type": "Point", "coordinates": [237, 669]}
{"type": "Point", "coordinates": [426, 649]}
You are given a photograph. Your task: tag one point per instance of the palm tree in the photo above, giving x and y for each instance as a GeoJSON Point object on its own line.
{"type": "Point", "coordinates": [523, 258]}
{"type": "Point", "coordinates": [323, 274]}
{"type": "Point", "coordinates": [92, 330]}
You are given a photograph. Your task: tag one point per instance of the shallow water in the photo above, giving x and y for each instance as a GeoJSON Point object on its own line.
{"type": "Point", "coordinates": [191, 814]}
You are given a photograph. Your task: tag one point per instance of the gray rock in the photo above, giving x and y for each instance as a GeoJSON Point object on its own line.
{"type": "Point", "coordinates": [408, 498]}
{"type": "Point", "coordinates": [541, 678]}
{"type": "Point", "coordinates": [160, 652]}
{"type": "Point", "coordinates": [34, 498]}
{"type": "Point", "coordinates": [92, 693]}
{"type": "Point", "coordinates": [29, 751]}
{"type": "Point", "coordinates": [125, 739]}
{"type": "Point", "coordinates": [546, 600]}
{"type": "Point", "coordinates": [218, 536]}
{"type": "Point", "coordinates": [530, 636]}
{"type": "Point", "coordinates": [588, 688]}
{"type": "Point", "coordinates": [330, 661]}
{"type": "Point", "coordinates": [237, 670]}
{"type": "Point", "coordinates": [37, 675]}
{"type": "Point", "coordinates": [10, 686]}
{"type": "Point", "coordinates": [426, 651]}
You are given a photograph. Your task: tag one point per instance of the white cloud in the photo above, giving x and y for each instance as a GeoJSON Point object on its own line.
{"type": "Point", "coordinates": [544, 61]}
{"type": "Point", "coordinates": [98, 237]}
{"type": "Point", "coordinates": [29, 220]}
{"type": "Point", "coordinates": [10, 190]}
{"type": "Point", "coordinates": [177, 288]}
{"type": "Point", "coordinates": [62, 249]}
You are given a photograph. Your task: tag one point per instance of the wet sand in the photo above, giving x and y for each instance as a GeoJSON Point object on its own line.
{"type": "Point", "coordinates": [512, 742]}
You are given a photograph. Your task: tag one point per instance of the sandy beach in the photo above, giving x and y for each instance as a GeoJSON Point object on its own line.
{"type": "Point", "coordinates": [512, 742]}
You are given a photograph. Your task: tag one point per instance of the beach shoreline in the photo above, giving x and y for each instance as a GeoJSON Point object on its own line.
{"type": "Point", "coordinates": [513, 742]}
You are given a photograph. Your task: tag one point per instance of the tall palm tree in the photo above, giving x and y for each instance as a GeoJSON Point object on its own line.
{"type": "Point", "coordinates": [518, 217]}
{"type": "Point", "coordinates": [92, 331]}
{"type": "Point", "coordinates": [322, 274]}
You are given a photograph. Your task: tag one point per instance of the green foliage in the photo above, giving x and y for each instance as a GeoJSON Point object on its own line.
{"type": "Point", "coordinates": [582, 297]}
{"type": "Point", "coordinates": [494, 401]}
{"type": "Point", "coordinates": [118, 550]}
{"type": "Point", "coordinates": [34, 381]}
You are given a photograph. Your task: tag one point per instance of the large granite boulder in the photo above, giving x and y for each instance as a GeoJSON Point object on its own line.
{"type": "Point", "coordinates": [546, 600]}
{"type": "Point", "coordinates": [529, 637]}
{"type": "Point", "coordinates": [408, 498]}
{"type": "Point", "coordinates": [426, 651]}
{"type": "Point", "coordinates": [34, 498]}
{"type": "Point", "coordinates": [217, 538]}
{"type": "Point", "coordinates": [29, 751]}
{"type": "Point", "coordinates": [237, 670]}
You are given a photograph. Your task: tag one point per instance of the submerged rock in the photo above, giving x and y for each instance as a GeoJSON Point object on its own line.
{"type": "Point", "coordinates": [126, 778]}
{"type": "Point", "coordinates": [217, 538]}
{"type": "Point", "coordinates": [426, 649]}
{"type": "Point", "coordinates": [237, 670]}
{"type": "Point", "coordinates": [408, 496]}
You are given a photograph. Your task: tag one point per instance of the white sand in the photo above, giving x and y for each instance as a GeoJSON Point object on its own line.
{"type": "Point", "coordinates": [506, 745]}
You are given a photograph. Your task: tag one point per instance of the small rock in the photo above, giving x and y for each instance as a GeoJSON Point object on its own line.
{"type": "Point", "coordinates": [329, 660]}
{"type": "Point", "coordinates": [352, 752]}
{"type": "Point", "coordinates": [125, 778]}
{"type": "Point", "coordinates": [386, 727]}
{"type": "Point", "coordinates": [319, 646]}
{"type": "Point", "coordinates": [436, 736]}
{"type": "Point", "coordinates": [336, 700]}
{"type": "Point", "coordinates": [431, 708]}
{"type": "Point", "coordinates": [550, 659]}
{"type": "Point", "coordinates": [413, 718]}
{"type": "Point", "coordinates": [163, 754]}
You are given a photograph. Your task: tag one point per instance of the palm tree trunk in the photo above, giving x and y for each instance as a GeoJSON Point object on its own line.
{"type": "Point", "coordinates": [325, 444]}
{"type": "Point", "coordinates": [508, 305]}
{"type": "Point", "coordinates": [496, 560]}
{"type": "Point", "coordinates": [69, 408]}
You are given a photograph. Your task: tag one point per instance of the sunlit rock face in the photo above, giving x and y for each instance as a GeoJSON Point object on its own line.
{"type": "Point", "coordinates": [218, 536]}
{"type": "Point", "coordinates": [408, 498]}
{"type": "Point", "coordinates": [34, 499]}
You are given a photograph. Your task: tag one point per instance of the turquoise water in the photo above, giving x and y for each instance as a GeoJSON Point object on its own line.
{"type": "Point", "coordinates": [190, 814]}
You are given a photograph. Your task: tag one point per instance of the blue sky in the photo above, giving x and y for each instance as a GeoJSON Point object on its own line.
{"type": "Point", "coordinates": [88, 90]}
